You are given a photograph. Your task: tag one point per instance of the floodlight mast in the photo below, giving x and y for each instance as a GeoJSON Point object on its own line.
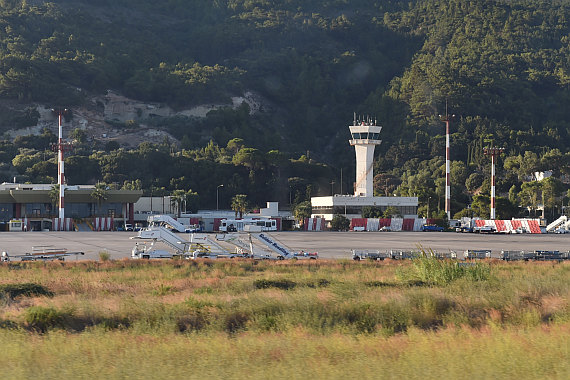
{"type": "Point", "coordinates": [493, 152]}
{"type": "Point", "coordinates": [446, 119]}
{"type": "Point", "coordinates": [61, 147]}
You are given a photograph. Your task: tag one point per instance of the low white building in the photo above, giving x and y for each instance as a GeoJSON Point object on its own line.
{"type": "Point", "coordinates": [351, 206]}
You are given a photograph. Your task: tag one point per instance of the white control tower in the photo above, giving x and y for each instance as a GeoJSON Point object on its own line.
{"type": "Point", "coordinates": [365, 134]}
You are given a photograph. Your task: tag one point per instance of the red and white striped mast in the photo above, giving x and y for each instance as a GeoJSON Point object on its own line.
{"type": "Point", "coordinates": [61, 148]}
{"type": "Point", "coordinates": [446, 119]}
{"type": "Point", "coordinates": [493, 152]}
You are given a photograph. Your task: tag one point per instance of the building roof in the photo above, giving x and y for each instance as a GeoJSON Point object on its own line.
{"type": "Point", "coordinates": [39, 193]}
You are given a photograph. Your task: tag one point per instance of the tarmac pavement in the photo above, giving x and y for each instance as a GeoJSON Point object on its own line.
{"type": "Point", "coordinates": [329, 245]}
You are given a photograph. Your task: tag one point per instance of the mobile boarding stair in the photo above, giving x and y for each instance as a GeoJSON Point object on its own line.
{"type": "Point", "coordinates": [273, 249]}
{"type": "Point", "coordinates": [560, 223]}
{"type": "Point", "coordinates": [248, 249]}
{"type": "Point", "coordinates": [161, 220]}
{"type": "Point", "coordinates": [282, 251]}
{"type": "Point", "coordinates": [197, 247]}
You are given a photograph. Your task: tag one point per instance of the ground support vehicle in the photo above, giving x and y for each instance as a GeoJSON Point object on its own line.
{"type": "Point", "coordinates": [485, 230]}
{"type": "Point", "coordinates": [517, 255]}
{"type": "Point", "coordinates": [477, 254]}
{"type": "Point", "coordinates": [362, 254]}
{"type": "Point", "coordinates": [199, 246]}
{"type": "Point", "coordinates": [402, 255]}
{"type": "Point", "coordinates": [41, 253]}
{"type": "Point", "coordinates": [443, 255]}
{"type": "Point", "coordinates": [550, 255]}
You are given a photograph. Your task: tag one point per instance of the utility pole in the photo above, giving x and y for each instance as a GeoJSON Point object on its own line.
{"type": "Point", "coordinates": [217, 196]}
{"type": "Point", "coordinates": [493, 152]}
{"type": "Point", "coordinates": [446, 119]}
{"type": "Point", "coordinates": [61, 147]}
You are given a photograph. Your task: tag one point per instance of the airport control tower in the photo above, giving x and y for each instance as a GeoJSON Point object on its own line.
{"type": "Point", "coordinates": [365, 134]}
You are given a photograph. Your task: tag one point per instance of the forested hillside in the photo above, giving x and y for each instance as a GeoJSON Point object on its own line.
{"type": "Point", "coordinates": [502, 67]}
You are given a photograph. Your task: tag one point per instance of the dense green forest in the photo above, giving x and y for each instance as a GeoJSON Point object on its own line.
{"type": "Point", "coordinates": [501, 67]}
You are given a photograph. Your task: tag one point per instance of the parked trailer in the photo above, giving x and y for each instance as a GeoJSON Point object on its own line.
{"type": "Point", "coordinates": [517, 255]}
{"type": "Point", "coordinates": [402, 255]}
{"type": "Point", "coordinates": [477, 254]}
{"type": "Point", "coordinates": [550, 255]}
{"type": "Point", "coordinates": [443, 255]}
{"type": "Point", "coordinates": [362, 254]}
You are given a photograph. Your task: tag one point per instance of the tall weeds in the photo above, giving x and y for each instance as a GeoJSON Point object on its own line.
{"type": "Point", "coordinates": [433, 271]}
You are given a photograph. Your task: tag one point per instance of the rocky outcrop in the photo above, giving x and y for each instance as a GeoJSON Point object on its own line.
{"type": "Point", "coordinates": [103, 118]}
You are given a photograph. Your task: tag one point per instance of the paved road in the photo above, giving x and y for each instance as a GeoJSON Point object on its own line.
{"type": "Point", "coordinates": [328, 244]}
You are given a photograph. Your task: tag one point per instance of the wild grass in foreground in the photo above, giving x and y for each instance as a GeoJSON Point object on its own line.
{"type": "Point", "coordinates": [490, 353]}
{"type": "Point", "coordinates": [323, 298]}
{"type": "Point", "coordinates": [326, 319]}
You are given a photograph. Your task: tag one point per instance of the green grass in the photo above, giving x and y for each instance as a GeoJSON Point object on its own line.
{"type": "Point", "coordinates": [492, 353]}
{"type": "Point", "coordinates": [325, 319]}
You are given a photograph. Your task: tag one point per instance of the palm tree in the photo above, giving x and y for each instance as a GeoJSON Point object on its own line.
{"type": "Point", "coordinates": [239, 204]}
{"type": "Point", "coordinates": [176, 199]}
{"type": "Point", "coordinates": [99, 193]}
{"type": "Point", "coordinates": [54, 197]}
{"type": "Point", "coordinates": [302, 211]}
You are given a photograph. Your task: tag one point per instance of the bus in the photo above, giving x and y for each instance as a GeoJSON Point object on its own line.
{"type": "Point", "coordinates": [235, 225]}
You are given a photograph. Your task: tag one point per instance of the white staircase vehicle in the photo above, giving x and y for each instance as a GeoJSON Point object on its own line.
{"type": "Point", "coordinates": [279, 249]}
{"type": "Point", "coordinates": [168, 220]}
{"type": "Point", "coordinates": [164, 236]}
{"type": "Point", "coordinates": [560, 222]}
{"type": "Point", "coordinates": [205, 240]}
{"type": "Point", "coordinates": [202, 246]}
{"type": "Point", "coordinates": [243, 246]}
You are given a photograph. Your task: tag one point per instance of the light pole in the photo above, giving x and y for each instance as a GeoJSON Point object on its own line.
{"type": "Point", "coordinates": [217, 193]}
{"type": "Point", "coordinates": [446, 119]}
{"type": "Point", "coordinates": [429, 198]}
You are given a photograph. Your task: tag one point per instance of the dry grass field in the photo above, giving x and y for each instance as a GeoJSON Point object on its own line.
{"type": "Point", "coordinates": [244, 319]}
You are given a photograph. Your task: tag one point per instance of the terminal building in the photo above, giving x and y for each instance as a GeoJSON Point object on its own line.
{"type": "Point", "coordinates": [31, 206]}
{"type": "Point", "coordinates": [365, 136]}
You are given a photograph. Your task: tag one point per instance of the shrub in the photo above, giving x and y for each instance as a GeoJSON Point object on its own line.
{"type": "Point", "coordinates": [193, 321]}
{"type": "Point", "coordinates": [104, 256]}
{"type": "Point", "coordinates": [280, 284]}
{"type": "Point", "coordinates": [41, 318]}
{"type": "Point", "coordinates": [433, 271]}
{"type": "Point", "coordinates": [235, 321]}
